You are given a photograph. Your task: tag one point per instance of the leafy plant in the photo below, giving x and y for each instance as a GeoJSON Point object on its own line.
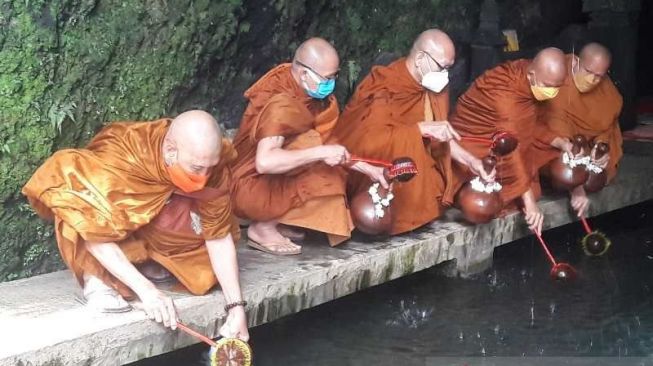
{"type": "Point", "coordinates": [353, 72]}
{"type": "Point", "coordinates": [57, 115]}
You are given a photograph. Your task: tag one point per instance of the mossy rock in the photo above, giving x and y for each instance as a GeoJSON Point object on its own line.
{"type": "Point", "coordinates": [68, 66]}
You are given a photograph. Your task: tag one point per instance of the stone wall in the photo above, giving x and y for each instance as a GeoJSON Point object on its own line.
{"type": "Point", "coordinates": [67, 66]}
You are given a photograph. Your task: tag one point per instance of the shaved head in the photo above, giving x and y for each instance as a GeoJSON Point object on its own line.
{"type": "Point", "coordinates": [596, 51]}
{"type": "Point", "coordinates": [432, 50]}
{"type": "Point", "coordinates": [595, 59]}
{"type": "Point", "coordinates": [315, 51]}
{"type": "Point", "coordinates": [318, 56]}
{"type": "Point", "coordinates": [194, 139]}
{"type": "Point", "coordinates": [548, 68]}
{"type": "Point", "coordinates": [436, 43]}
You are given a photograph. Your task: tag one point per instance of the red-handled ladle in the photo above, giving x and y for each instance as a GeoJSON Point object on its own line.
{"type": "Point", "coordinates": [594, 243]}
{"type": "Point", "coordinates": [378, 162]}
{"type": "Point", "coordinates": [401, 169]}
{"type": "Point", "coordinates": [560, 271]}
{"type": "Point", "coordinates": [224, 352]}
{"type": "Point", "coordinates": [502, 143]}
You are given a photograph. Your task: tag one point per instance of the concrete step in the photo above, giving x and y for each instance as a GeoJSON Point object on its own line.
{"type": "Point", "coordinates": [42, 324]}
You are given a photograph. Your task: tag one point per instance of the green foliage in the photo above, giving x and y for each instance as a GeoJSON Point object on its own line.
{"type": "Point", "coordinates": [66, 67]}
{"type": "Point", "coordinates": [353, 73]}
{"type": "Point", "coordinates": [58, 113]}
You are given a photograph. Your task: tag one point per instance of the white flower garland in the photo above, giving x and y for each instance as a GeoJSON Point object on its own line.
{"type": "Point", "coordinates": [379, 202]}
{"type": "Point", "coordinates": [591, 167]}
{"type": "Point", "coordinates": [480, 186]}
{"type": "Point", "coordinates": [585, 160]}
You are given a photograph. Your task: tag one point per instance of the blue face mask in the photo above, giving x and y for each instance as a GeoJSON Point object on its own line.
{"type": "Point", "coordinates": [324, 88]}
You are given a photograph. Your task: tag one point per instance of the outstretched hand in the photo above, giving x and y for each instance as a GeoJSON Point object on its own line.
{"type": "Point", "coordinates": [236, 325]}
{"type": "Point", "coordinates": [375, 173]}
{"type": "Point", "coordinates": [159, 307]}
{"type": "Point", "coordinates": [438, 130]}
{"type": "Point", "coordinates": [476, 166]}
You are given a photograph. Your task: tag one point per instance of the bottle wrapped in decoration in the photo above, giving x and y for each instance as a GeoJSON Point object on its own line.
{"type": "Point", "coordinates": [479, 200]}
{"type": "Point", "coordinates": [597, 177]}
{"type": "Point", "coordinates": [371, 210]}
{"type": "Point", "coordinates": [569, 172]}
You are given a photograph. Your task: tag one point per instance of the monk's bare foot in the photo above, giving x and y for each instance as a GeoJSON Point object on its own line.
{"type": "Point", "coordinates": [293, 233]}
{"type": "Point", "coordinates": [155, 272]}
{"type": "Point", "coordinates": [98, 296]}
{"type": "Point", "coordinates": [266, 235]}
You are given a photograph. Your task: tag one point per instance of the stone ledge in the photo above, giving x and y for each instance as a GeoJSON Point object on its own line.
{"type": "Point", "coordinates": [44, 325]}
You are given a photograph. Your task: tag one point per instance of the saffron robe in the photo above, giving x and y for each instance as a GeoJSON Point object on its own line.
{"type": "Point", "coordinates": [594, 114]}
{"type": "Point", "coordinates": [500, 100]}
{"type": "Point", "coordinates": [381, 122]}
{"type": "Point", "coordinates": [311, 196]}
{"type": "Point", "coordinates": [117, 189]}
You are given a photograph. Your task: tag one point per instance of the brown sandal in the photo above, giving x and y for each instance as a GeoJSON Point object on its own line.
{"type": "Point", "coordinates": [155, 272]}
{"type": "Point", "coordinates": [256, 245]}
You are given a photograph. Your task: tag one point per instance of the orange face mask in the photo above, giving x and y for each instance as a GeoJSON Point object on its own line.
{"type": "Point", "coordinates": [542, 93]}
{"type": "Point", "coordinates": [187, 182]}
{"type": "Point", "coordinates": [584, 82]}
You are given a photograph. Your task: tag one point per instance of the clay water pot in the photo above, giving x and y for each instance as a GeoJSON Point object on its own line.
{"type": "Point", "coordinates": [364, 215]}
{"type": "Point", "coordinates": [596, 181]}
{"type": "Point", "coordinates": [563, 176]}
{"type": "Point", "coordinates": [480, 207]}
{"type": "Point", "coordinates": [362, 207]}
{"type": "Point", "coordinates": [503, 143]}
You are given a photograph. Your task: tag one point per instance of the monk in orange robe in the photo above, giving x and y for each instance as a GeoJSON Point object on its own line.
{"type": "Point", "coordinates": [145, 191]}
{"type": "Point", "coordinates": [588, 104]}
{"type": "Point", "coordinates": [505, 98]}
{"type": "Point", "coordinates": [286, 179]}
{"type": "Point", "coordinates": [401, 111]}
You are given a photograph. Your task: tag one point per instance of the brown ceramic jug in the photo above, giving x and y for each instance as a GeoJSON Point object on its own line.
{"type": "Point", "coordinates": [480, 207]}
{"type": "Point", "coordinates": [596, 181]}
{"type": "Point", "coordinates": [363, 212]}
{"type": "Point", "coordinates": [362, 207]}
{"type": "Point", "coordinates": [563, 176]}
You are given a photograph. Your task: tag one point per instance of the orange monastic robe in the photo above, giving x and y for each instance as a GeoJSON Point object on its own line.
{"type": "Point", "coordinates": [594, 114]}
{"type": "Point", "coordinates": [311, 196]}
{"type": "Point", "coordinates": [117, 189]}
{"type": "Point", "coordinates": [380, 122]}
{"type": "Point", "coordinates": [501, 100]}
